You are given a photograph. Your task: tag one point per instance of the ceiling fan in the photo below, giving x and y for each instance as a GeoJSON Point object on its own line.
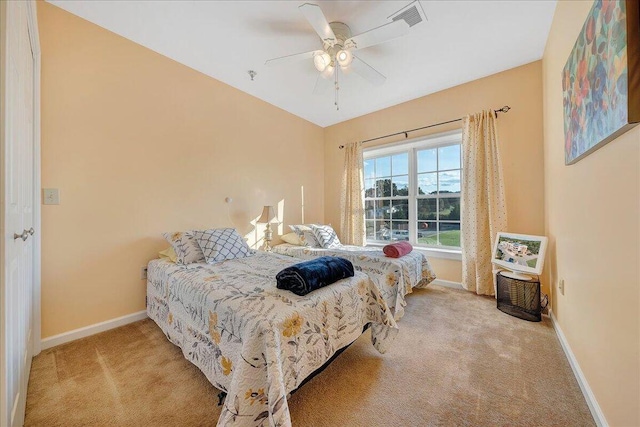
{"type": "Point", "coordinates": [339, 45]}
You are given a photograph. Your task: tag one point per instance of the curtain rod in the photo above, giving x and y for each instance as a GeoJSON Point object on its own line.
{"type": "Point", "coordinates": [504, 109]}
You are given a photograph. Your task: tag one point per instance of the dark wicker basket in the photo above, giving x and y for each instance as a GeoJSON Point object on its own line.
{"type": "Point", "coordinates": [519, 298]}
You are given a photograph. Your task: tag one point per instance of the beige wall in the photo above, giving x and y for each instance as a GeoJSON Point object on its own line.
{"type": "Point", "coordinates": [593, 223]}
{"type": "Point", "coordinates": [166, 158]}
{"type": "Point", "coordinates": [520, 137]}
{"type": "Point", "coordinates": [139, 144]}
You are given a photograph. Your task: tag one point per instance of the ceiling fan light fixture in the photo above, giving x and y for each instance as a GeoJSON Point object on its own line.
{"type": "Point", "coordinates": [321, 60]}
{"type": "Point", "coordinates": [328, 72]}
{"type": "Point", "coordinates": [338, 44]}
{"type": "Point", "coordinates": [344, 58]}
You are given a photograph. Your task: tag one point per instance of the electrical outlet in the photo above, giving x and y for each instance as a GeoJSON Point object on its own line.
{"type": "Point", "coordinates": [143, 273]}
{"type": "Point", "coordinates": [561, 286]}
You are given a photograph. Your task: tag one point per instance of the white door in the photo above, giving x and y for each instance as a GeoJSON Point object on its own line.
{"type": "Point", "coordinates": [19, 219]}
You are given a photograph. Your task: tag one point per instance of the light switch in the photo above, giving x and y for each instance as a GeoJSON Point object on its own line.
{"type": "Point", "coordinates": [51, 196]}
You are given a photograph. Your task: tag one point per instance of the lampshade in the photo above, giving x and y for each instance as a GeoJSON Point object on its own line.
{"type": "Point", "coordinates": [321, 60]}
{"type": "Point", "coordinates": [268, 215]}
{"type": "Point", "coordinates": [328, 72]}
{"type": "Point", "coordinates": [344, 58]}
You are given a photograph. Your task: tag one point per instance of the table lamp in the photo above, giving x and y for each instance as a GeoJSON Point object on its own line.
{"type": "Point", "coordinates": [267, 217]}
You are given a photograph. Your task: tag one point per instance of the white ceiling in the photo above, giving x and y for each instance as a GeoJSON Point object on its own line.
{"type": "Point", "coordinates": [460, 42]}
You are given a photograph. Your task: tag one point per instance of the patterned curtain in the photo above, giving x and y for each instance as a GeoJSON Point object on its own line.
{"type": "Point", "coordinates": [484, 210]}
{"type": "Point", "coordinates": [352, 199]}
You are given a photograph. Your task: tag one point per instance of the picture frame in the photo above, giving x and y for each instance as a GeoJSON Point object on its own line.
{"type": "Point", "coordinates": [519, 253]}
{"type": "Point", "coordinates": [601, 78]}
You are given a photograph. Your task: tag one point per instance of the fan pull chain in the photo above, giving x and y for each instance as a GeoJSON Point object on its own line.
{"type": "Point", "coordinates": [337, 90]}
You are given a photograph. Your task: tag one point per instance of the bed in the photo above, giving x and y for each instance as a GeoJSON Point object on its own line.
{"type": "Point", "coordinates": [253, 341]}
{"type": "Point", "coordinates": [395, 277]}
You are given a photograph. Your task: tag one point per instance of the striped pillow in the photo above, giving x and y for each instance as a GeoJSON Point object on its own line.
{"type": "Point", "coordinates": [326, 236]}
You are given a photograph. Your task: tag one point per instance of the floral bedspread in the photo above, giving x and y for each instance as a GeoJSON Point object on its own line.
{"type": "Point", "coordinates": [395, 277]}
{"type": "Point", "coordinates": [254, 341]}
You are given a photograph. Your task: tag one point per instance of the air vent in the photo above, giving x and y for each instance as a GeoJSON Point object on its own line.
{"type": "Point", "coordinates": [412, 14]}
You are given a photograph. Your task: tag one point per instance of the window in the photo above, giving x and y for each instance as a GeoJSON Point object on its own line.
{"type": "Point", "coordinates": [412, 192]}
{"type": "Point", "coordinates": [387, 197]}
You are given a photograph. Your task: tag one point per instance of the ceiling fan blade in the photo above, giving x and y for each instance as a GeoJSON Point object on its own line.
{"type": "Point", "coordinates": [378, 35]}
{"type": "Point", "coordinates": [291, 58]}
{"type": "Point", "coordinates": [367, 72]}
{"type": "Point", "coordinates": [323, 85]}
{"type": "Point", "coordinates": [316, 18]}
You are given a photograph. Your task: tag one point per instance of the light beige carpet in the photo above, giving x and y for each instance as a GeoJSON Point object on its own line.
{"type": "Point", "coordinates": [458, 361]}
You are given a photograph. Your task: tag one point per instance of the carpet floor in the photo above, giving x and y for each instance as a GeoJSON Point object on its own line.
{"type": "Point", "coordinates": [457, 361]}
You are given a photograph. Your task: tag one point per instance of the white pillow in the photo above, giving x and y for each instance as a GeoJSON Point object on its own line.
{"type": "Point", "coordinates": [221, 244]}
{"type": "Point", "coordinates": [326, 236]}
{"type": "Point", "coordinates": [306, 236]}
{"type": "Point", "coordinates": [185, 246]}
{"type": "Point", "coordinates": [292, 238]}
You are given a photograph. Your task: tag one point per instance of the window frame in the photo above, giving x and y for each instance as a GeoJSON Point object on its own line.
{"type": "Point", "coordinates": [411, 147]}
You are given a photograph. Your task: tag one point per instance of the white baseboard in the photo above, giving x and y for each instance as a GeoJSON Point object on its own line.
{"type": "Point", "coordinates": [596, 412]}
{"type": "Point", "coordinates": [448, 284]}
{"type": "Point", "coordinates": [92, 329]}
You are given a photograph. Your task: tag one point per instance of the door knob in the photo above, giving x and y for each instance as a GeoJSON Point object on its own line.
{"type": "Point", "coordinates": [31, 231]}
{"type": "Point", "coordinates": [24, 236]}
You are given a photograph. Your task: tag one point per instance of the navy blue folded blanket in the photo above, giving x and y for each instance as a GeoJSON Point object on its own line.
{"type": "Point", "coordinates": [308, 276]}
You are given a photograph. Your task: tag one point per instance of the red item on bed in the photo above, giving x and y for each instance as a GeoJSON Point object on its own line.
{"type": "Point", "coordinates": [398, 249]}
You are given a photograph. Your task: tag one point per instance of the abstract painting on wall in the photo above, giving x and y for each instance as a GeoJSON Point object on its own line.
{"type": "Point", "coordinates": [601, 79]}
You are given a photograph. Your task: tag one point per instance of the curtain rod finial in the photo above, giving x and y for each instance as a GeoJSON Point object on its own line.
{"type": "Point", "coordinates": [504, 109]}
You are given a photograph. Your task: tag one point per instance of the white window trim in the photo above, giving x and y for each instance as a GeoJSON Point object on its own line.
{"type": "Point", "coordinates": [411, 146]}
{"type": "Point", "coordinates": [430, 251]}
{"type": "Point", "coordinates": [444, 138]}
